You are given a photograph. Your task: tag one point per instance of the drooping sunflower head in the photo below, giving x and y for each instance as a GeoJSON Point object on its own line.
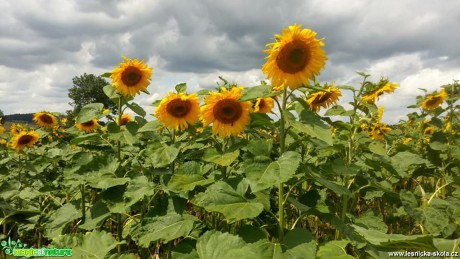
{"type": "Point", "coordinates": [16, 128]}
{"type": "Point", "coordinates": [23, 139]}
{"type": "Point", "coordinates": [45, 119]}
{"type": "Point", "coordinates": [432, 102]}
{"type": "Point", "coordinates": [225, 112]}
{"type": "Point", "coordinates": [429, 130]}
{"type": "Point", "coordinates": [295, 57]}
{"type": "Point", "coordinates": [125, 118]}
{"type": "Point", "coordinates": [324, 98]}
{"type": "Point", "coordinates": [178, 110]}
{"type": "Point", "coordinates": [89, 126]}
{"type": "Point", "coordinates": [263, 105]}
{"type": "Point", "coordinates": [378, 130]}
{"type": "Point", "coordinates": [131, 77]}
{"type": "Point", "coordinates": [384, 86]}
{"type": "Point", "coordinates": [407, 140]}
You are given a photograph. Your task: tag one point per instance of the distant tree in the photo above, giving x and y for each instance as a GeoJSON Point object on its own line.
{"type": "Point", "coordinates": [2, 117]}
{"type": "Point", "coordinates": [86, 89]}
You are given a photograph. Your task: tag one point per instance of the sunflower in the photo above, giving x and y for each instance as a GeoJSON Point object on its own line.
{"type": "Point", "coordinates": [225, 112]}
{"type": "Point", "coordinates": [23, 139]}
{"type": "Point", "coordinates": [264, 105]}
{"type": "Point", "coordinates": [378, 130]}
{"type": "Point", "coordinates": [374, 95]}
{"type": "Point", "coordinates": [178, 110]}
{"type": "Point", "coordinates": [324, 98]}
{"type": "Point", "coordinates": [125, 118]}
{"type": "Point", "coordinates": [2, 129]}
{"type": "Point", "coordinates": [45, 119]}
{"type": "Point", "coordinates": [16, 128]}
{"type": "Point", "coordinates": [295, 57]}
{"type": "Point", "coordinates": [3, 142]}
{"type": "Point", "coordinates": [431, 102]}
{"type": "Point", "coordinates": [429, 130]}
{"type": "Point", "coordinates": [131, 77]}
{"type": "Point", "coordinates": [89, 126]}
{"type": "Point", "coordinates": [406, 141]}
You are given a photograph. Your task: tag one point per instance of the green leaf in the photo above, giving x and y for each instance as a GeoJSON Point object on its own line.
{"type": "Point", "coordinates": [255, 92]}
{"type": "Point", "coordinates": [403, 161]}
{"type": "Point", "coordinates": [223, 198]}
{"type": "Point", "coordinates": [106, 181]}
{"type": "Point", "coordinates": [94, 244]}
{"type": "Point", "coordinates": [86, 137]}
{"type": "Point", "coordinates": [300, 244]}
{"type": "Point", "coordinates": [181, 88]}
{"type": "Point", "coordinates": [260, 147]}
{"type": "Point", "coordinates": [111, 92]}
{"type": "Point", "coordinates": [275, 173]}
{"type": "Point", "coordinates": [187, 182]}
{"type": "Point", "coordinates": [395, 242]}
{"type": "Point", "coordinates": [378, 148]}
{"type": "Point", "coordinates": [138, 188]}
{"type": "Point", "coordinates": [59, 218]}
{"type": "Point", "coordinates": [137, 109]}
{"type": "Point", "coordinates": [89, 112]}
{"type": "Point", "coordinates": [163, 156]}
{"type": "Point", "coordinates": [150, 126]}
{"type": "Point", "coordinates": [334, 250]}
{"type": "Point", "coordinates": [261, 120]}
{"type": "Point", "coordinates": [218, 245]}
{"type": "Point", "coordinates": [213, 156]}
{"type": "Point", "coordinates": [107, 74]}
{"type": "Point", "coordinates": [338, 110]}
{"type": "Point", "coordinates": [164, 228]}
{"type": "Point", "coordinates": [372, 220]}
{"type": "Point", "coordinates": [311, 125]}
{"type": "Point", "coordinates": [95, 216]}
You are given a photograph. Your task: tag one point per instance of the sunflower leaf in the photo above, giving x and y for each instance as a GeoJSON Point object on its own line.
{"type": "Point", "coordinates": [257, 92]}
{"type": "Point", "coordinates": [137, 109]}
{"type": "Point", "coordinates": [181, 88]}
{"type": "Point", "coordinates": [89, 112]}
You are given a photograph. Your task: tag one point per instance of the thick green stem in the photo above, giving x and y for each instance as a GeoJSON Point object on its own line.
{"type": "Point", "coordinates": [119, 220]}
{"type": "Point", "coordinates": [83, 211]}
{"type": "Point", "coordinates": [282, 140]}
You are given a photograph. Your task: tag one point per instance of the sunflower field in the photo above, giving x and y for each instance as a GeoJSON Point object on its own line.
{"type": "Point", "coordinates": [277, 170]}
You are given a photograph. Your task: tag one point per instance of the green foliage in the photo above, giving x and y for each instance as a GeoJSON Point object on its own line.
{"type": "Point", "coordinates": [88, 88]}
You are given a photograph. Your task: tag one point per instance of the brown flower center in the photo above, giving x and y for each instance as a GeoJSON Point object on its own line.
{"type": "Point", "coordinates": [45, 118]}
{"type": "Point", "coordinates": [131, 76]}
{"type": "Point", "coordinates": [261, 104]}
{"type": "Point", "coordinates": [432, 101]}
{"type": "Point", "coordinates": [125, 121]}
{"type": "Point", "coordinates": [24, 140]}
{"type": "Point", "coordinates": [178, 108]}
{"type": "Point", "coordinates": [88, 123]}
{"type": "Point", "coordinates": [321, 98]}
{"type": "Point", "coordinates": [293, 57]}
{"type": "Point", "coordinates": [227, 111]}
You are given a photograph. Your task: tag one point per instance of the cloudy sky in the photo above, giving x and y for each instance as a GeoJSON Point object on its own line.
{"type": "Point", "coordinates": [45, 43]}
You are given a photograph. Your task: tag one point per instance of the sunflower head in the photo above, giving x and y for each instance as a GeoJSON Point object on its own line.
{"type": "Point", "coordinates": [23, 139]}
{"type": "Point", "coordinates": [16, 128]}
{"type": "Point", "coordinates": [89, 126]}
{"type": "Point", "coordinates": [406, 141]}
{"type": "Point", "coordinates": [131, 77]}
{"type": "Point", "coordinates": [432, 102]}
{"type": "Point", "coordinates": [45, 119]}
{"type": "Point", "coordinates": [225, 112]}
{"type": "Point", "coordinates": [324, 98]}
{"type": "Point", "coordinates": [125, 118]}
{"type": "Point", "coordinates": [429, 130]}
{"type": "Point", "coordinates": [295, 57]}
{"type": "Point", "coordinates": [378, 130]}
{"type": "Point", "coordinates": [178, 110]}
{"type": "Point", "coordinates": [384, 86]}
{"type": "Point", "coordinates": [2, 129]}
{"type": "Point", "coordinates": [263, 105]}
